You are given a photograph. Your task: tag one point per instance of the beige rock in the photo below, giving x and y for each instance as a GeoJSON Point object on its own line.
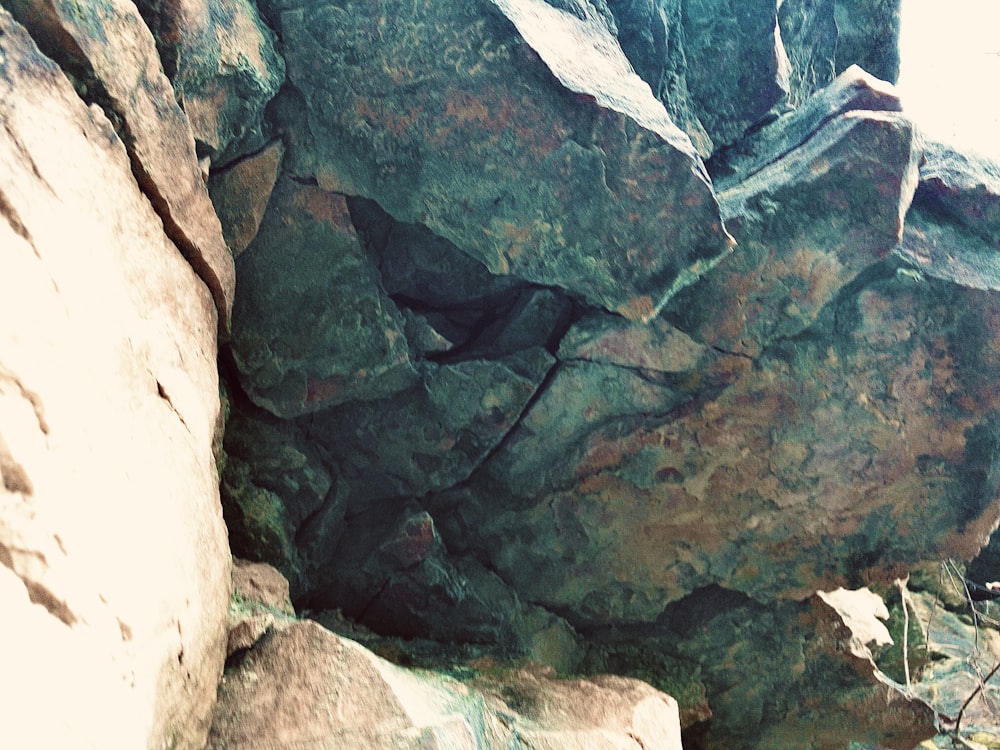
{"type": "Point", "coordinates": [241, 194]}
{"type": "Point", "coordinates": [304, 687]}
{"type": "Point", "coordinates": [114, 563]}
{"type": "Point", "coordinates": [110, 41]}
{"type": "Point", "coordinates": [260, 602]}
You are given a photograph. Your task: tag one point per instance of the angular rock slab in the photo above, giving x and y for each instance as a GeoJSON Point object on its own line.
{"type": "Point", "coordinates": [312, 326]}
{"type": "Point", "coordinates": [114, 562]}
{"type": "Point", "coordinates": [305, 686]}
{"type": "Point", "coordinates": [737, 66]}
{"type": "Point", "coordinates": [953, 227]}
{"type": "Point", "coordinates": [222, 60]}
{"type": "Point", "coordinates": [848, 454]}
{"type": "Point", "coordinates": [807, 221]}
{"type": "Point", "coordinates": [241, 194]}
{"type": "Point", "coordinates": [107, 43]}
{"type": "Point", "coordinates": [516, 130]}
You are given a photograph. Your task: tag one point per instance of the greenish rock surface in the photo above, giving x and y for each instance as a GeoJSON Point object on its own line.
{"type": "Point", "coordinates": [314, 327]}
{"type": "Point", "coordinates": [516, 130]}
{"type": "Point", "coordinates": [538, 443]}
{"type": "Point", "coordinates": [868, 35]}
{"type": "Point", "coordinates": [807, 223]}
{"type": "Point", "coordinates": [223, 62]}
{"type": "Point", "coordinates": [434, 435]}
{"type": "Point", "coordinates": [953, 230]}
{"type": "Point", "coordinates": [737, 67]}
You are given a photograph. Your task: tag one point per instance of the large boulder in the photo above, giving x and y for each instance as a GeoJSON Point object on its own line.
{"type": "Point", "coordinates": [224, 66]}
{"type": "Point", "coordinates": [114, 563]}
{"type": "Point", "coordinates": [512, 128]}
{"type": "Point", "coordinates": [113, 58]}
{"type": "Point", "coordinates": [304, 686]}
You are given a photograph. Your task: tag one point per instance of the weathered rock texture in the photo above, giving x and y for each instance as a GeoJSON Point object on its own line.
{"type": "Point", "coordinates": [303, 686]}
{"type": "Point", "coordinates": [499, 377]}
{"type": "Point", "coordinates": [507, 368]}
{"type": "Point", "coordinates": [114, 565]}
{"type": "Point", "coordinates": [514, 129]}
{"type": "Point", "coordinates": [110, 53]}
{"type": "Point", "coordinates": [221, 59]}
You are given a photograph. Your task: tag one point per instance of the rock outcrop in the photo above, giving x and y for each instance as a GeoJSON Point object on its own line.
{"type": "Point", "coordinates": [528, 448]}
{"type": "Point", "coordinates": [475, 120]}
{"type": "Point", "coordinates": [597, 334]}
{"type": "Point", "coordinates": [114, 563]}
{"type": "Point", "coordinates": [299, 685]}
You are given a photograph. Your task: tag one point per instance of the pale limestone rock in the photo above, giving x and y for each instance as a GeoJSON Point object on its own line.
{"type": "Point", "coordinates": [109, 42]}
{"type": "Point", "coordinates": [114, 566]}
{"type": "Point", "coordinates": [306, 687]}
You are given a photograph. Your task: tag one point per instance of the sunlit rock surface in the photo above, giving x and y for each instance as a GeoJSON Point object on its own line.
{"type": "Point", "coordinates": [112, 56]}
{"type": "Point", "coordinates": [114, 563]}
{"type": "Point", "coordinates": [297, 683]}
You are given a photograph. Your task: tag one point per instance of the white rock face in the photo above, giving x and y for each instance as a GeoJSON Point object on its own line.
{"type": "Point", "coordinates": [114, 562]}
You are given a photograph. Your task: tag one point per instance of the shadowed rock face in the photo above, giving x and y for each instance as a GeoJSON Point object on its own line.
{"type": "Point", "coordinates": [498, 376]}
{"type": "Point", "coordinates": [516, 130]}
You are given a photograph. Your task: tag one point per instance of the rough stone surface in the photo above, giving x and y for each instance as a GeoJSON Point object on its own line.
{"type": "Point", "coordinates": [109, 49]}
{"type": "Point", "coordinates": [259, 603]}
{"type": "Point", "coordinates": [953, 229]}
{"type": "Point", "coordinates": [280, 500]}
{"type": "Point", "coordinates": [651, 34]}
{"type": "Point", "coordinates": [807, 223]}
{"type": "Point", "coordinates": [222, 62]}
{"type": "Point", "coordinates": [240, 195]}
{"type": "Point", "coordinates": [515, 457]}
{"type": "Point", "coordinates": [800, 654]}
{"type": "Point", "coordinates": [518, 131]}
{"type": "Point", "coordinates": [304, 686]}
{"type": "Point", "coordinates": [312, 326]}
{"type": "Point", "coordinates": [868, 36]}
{"type": "Point", "coordinates": [113, 557]}
{"type": "Point", "coordinates": [737, 67]}
{"type": "Point", "coordinates": [743, 482]}
{"type": "Point", "coordinates": [824, 38]}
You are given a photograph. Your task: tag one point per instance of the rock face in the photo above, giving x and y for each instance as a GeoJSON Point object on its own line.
{"type": "Point", "coordinates": [222, 62]}
{"type": "Point", "coordinates": [560, 170]}
{"type": "Point", "coordinates": [305, 686]}
{"type": "Point", "coordinates": [511, 372]}
{"type": "Point", "coordinates": [110, 50]}
{"type": "Point", "coordinates": [487, 390]}
{"type": "Point", "coordinates": [114, 565]}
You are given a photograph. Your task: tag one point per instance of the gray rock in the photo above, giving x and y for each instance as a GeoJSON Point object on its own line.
{"type": "Point", "coordinates": [313, 326]}
{"type": "Point", "coordinates": [737, 69]}
{"type": "Point", "coordinates": [525, 139]}
{"type": "Point", "coordinates": [222, 61]}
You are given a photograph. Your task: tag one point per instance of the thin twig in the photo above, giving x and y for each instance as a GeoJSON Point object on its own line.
{"type": "Point", "coordinates": [901, 583]}
{"type": "Point", "coordinates": [981, 687]}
